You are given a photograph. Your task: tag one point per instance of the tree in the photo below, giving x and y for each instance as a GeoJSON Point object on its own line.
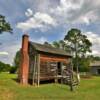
{"type": "Point", "coordinates": [83, 64]}
{"type": "Point", "coordinates": [79, 43]}
{"type": "Point", "coordinates": [94, 58]}
{"type": "Point", "coordinates": [47, 43]}
{"type": "Point", "coordinates": [61, 45]}
{"type": "Point", "coordinates": [4, 25]}
{"type": "Point", "coordinates": [17, 59]}
{"type": "Point", "coordinates": [16, 62]}
{"type": "Point", "coordinates": [56, 44]}
{"type": "Point", "coordinates": [4, 67]}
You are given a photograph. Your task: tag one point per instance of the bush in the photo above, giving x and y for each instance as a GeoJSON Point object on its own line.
{"type": "Point", "coordinates": [85, 75]}
{"type": "Point", "coordinates": [12, 70]}
{"type": "Point", "coordinates": [84, 69]}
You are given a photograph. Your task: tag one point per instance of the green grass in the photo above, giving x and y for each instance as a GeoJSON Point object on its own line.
{"type": "Point", "coordinates": [89, 89]}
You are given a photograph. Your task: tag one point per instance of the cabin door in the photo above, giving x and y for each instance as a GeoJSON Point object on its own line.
{"type": "Point", "coordinates": [59, 68]}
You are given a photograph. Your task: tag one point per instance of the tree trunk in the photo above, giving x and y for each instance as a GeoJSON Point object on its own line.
{"type": "Point", "coordinates": [77, 67]}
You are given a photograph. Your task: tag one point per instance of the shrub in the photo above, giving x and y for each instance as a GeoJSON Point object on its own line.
{"type": "Point", "coordinates": [12, 69]}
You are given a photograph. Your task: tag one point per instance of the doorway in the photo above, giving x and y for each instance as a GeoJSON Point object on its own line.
{"type": "Point", "coordinates": [59, 69]}
{"type": "Point", "coordinates": [98, 70]}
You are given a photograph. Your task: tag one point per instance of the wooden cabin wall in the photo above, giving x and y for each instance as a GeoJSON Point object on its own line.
{"type": "Point", "coordinates": [54, 58]}
{"type": "Point", "coordinates": [32, 54]}
{"type": "Point", "coordinates": [31, 66]}
{"type": "Point", "coordinates": [48, 65]}
{"type": "Point", "coordinates": [47, 70]}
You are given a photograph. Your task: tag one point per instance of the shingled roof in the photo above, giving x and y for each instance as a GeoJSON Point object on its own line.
{"type": "Point", "coordinates": [49, 49]}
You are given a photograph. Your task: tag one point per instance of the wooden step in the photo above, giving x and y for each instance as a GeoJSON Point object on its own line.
{"type": "Point", "coordinates": [75, 83]}
{"type": "Point", "coordinates": [68, 82]}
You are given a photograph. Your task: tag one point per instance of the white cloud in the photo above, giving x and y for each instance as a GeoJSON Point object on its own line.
{"type": "Point", "coordinates": [95, 39]}
{"type": "Point", "coordinates": [44, 18]}
{"type": "Point", "coordinates": [95, 53]}
{"type": "Point", "coordinates": [77, 11]}
{"type": "Point", "coordinates": [64, 11]}
{"type": "Point", "coordinates": [42, 40]}
{"type": "Point", "coordinates": [37, 21]}
{"type": "Point", "coordinates": [66, 5]}
{"type": "Point", "coordinates": [29, 24]}
{"type": "Point", "coordinates": [3, 53]}
{"type": "Point", "coordinates": [39, 40]}
{"type": "Point", "coordinates": [29, 12]}
{"type": "Point", "coordinates": [11, 49]}
{"type": "Point", "coordinates": [8, 56]}
{"type": "Point", "coordinates": [87, 18]}
{"type": "Point", "coordinates": [58, 12]}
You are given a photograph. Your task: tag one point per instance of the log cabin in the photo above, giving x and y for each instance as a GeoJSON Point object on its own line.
{"type": "Point", "coordinates": [41, 62]}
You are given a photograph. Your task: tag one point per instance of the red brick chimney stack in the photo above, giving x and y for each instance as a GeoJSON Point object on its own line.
{"type": "Point", "coordinates": [24, 68]}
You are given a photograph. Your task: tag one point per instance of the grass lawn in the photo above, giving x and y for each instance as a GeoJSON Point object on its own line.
{"type": "Point", "coordinates": [89, 89]}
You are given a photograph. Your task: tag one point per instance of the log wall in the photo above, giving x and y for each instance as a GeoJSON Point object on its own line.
{"type": "Point", "coordinates": [48, 65]}
{"type": "Point", "coordinates": [53, 58]}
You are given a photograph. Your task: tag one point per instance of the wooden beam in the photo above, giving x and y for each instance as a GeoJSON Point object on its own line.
{"type": "Point", "coordinates": [61, 72]}
{"type": "Point", "coordinates": [38, 67]}
{"type": "Point", "coordinates": [50, 58]}
{"type": "Point", "coordinates": [34, 70]}
{"type": "Point", "coordinates": [36, 73]}
{"type": "Point", "coordinates": [53, 59]}
{"type": "Point", "coordinates": [56, 73]}
{"type": "Point", "coordinates": [71, 68]}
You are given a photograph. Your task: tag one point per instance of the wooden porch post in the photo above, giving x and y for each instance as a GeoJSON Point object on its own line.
{"type": "Point", "coordinates": [38, 70]}
{"type": "Point", "coordinates": [56, 73]}
{"type": "Point", "coordinates": [71, 83]}
{"type": "Point", "coordinates": [61, 72]}
{"type": "Point", "coordinates": [34, 71]}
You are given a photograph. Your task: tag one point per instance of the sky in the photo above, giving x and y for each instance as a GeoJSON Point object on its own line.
{"type": "Point", "coordinates": [48, 20]}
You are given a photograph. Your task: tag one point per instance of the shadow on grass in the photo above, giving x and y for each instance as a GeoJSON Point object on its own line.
{"type": "Point", "coordinates": [65, 87]}
{"type": "Point", "coordinates": [15, 80]}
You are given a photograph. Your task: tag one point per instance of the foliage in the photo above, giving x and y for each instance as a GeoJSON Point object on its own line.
{"type": "Point", "coordinates": [4, 25]}
{"type": "Point", "coordinates": [78, 42]}
{"type": "Point", "coordinates": [83, 64]}
{"type": "Point", "coordinates": [56, 44]}
{"type": "Point", "coordinates": [16, 64]}
{"type": "Point", "coordinates": [47, 43]}
{"type": "Point", "coordinates": [61, 45]}
{"type": "Point", "coordinates": [13, 69]}
{"type": "Point", "coordinates": [4, 67]}
{"type": "Point", "coordinates": [7, 68]}
{"type": "Point", "coordinates": [17, 59]}
{"type": "Point", "coordinates": [95, 58]}
{"type": "Point", "coordinates": [80, 45]}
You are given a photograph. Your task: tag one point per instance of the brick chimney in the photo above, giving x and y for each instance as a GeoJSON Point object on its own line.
{"type": "Point", "coordinates": [24, 67]}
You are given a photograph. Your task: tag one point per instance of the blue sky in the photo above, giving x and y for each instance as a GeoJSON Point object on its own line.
{"type": "Point", "coordinates": [48, 20]}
